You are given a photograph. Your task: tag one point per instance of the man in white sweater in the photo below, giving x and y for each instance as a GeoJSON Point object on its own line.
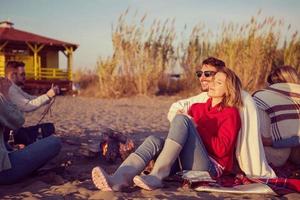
{"type": "Point", "coordinates": [15, 72]}
{"type": "Point", "coordinates": [205, 73]}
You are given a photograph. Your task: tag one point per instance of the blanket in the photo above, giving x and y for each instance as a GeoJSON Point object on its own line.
{"type": "Point", "coordinates": [240, 184]}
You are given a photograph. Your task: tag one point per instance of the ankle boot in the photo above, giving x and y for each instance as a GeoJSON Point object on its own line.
{"type": "Point", "coordinates": [162, 166]}
{"type": "Point", "coordinates": [123, 176]}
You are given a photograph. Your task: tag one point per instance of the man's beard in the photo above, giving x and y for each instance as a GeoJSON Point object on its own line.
{"type": "Point", "coordinates": [205, 88]}
{"type": "Point", "coordinates": [20, 84]}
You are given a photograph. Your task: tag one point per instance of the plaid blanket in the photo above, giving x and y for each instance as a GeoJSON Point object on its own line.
{"type": "Point", "coordinates": [281, 102]}
{"type": "Point", "coordinates": [241, 184]}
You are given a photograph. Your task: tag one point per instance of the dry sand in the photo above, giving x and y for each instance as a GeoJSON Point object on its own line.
{"type": "Point", "coordinates": [80, 119]}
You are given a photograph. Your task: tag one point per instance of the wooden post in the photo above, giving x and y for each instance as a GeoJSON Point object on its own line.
{"type": "Point", "coordinates": [3, 45]}
{"type": "Point", "coordinates": [69, 54]}
{"type": "Point", "coordinates": [36, 65]}
{"type": "Point", "coordinates": [2, 61]}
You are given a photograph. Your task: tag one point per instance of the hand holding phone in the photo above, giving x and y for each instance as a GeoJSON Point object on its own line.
{"type": "Point", "coordinates": [54, 90]}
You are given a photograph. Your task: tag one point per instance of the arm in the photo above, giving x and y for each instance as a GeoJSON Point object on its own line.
{"type": "Point", "coordinates": [293, 141]}
{"type": "Point", "coordinates": [24, 101]}
{"type": "Point", "coordinates": [226, 138]}
{"type": "Point", "coordinates": [10, 115]}
{"type": "Point", "coordinates": [181, 105]}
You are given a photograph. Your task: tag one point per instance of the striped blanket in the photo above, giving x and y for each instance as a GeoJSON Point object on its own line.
{"type": "Point", "coordinates": [281, 102]}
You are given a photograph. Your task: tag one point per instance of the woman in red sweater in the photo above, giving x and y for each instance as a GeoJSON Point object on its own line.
{"type": "Point", "coordinates": [204, 139]}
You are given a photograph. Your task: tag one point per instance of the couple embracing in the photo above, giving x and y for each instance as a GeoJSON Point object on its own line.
{"type": "Point", "coordinates": [213, 135]}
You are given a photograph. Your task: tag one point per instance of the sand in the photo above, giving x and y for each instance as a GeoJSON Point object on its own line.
{"type": "Point", "coordinates": [81, 119]}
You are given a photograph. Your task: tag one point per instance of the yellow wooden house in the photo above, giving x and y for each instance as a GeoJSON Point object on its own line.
{"type": "Point", "coordinates": [40, 55]}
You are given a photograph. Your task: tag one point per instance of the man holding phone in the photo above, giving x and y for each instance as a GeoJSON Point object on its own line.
{"type": "Point", "coordinates": [15, 72]}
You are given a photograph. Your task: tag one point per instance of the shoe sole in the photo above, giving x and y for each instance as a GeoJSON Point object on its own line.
{"type": "Point", "coordinates": [138, 181]}
{"type": "Point", "coordinates": [100, 180]}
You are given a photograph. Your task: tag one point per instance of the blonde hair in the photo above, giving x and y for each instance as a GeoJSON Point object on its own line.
{"type": "Point", "coordinates": [283, 74]}
{"type": "Point", "coordinates": [233, 94]}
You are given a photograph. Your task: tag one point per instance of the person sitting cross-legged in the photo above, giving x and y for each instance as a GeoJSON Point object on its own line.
{"type": "Point", "coordinates": [15, 72]}
{"type": "Point", "coordinates": [18, 164]}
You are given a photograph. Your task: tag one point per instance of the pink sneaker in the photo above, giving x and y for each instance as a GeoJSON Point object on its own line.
{"type": "Point", "coordinates": [100, 179]}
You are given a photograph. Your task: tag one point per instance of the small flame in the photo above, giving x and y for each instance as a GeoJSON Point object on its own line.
{"type": "Point", "coordinates": [104, 148]}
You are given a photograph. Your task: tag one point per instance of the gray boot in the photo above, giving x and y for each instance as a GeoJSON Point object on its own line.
{"type": "Point", "coordinates": [162, 166]}
{"type": "Point", "coordinates": [123, 176]}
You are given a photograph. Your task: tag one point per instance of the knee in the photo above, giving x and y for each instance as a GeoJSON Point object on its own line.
{"type": "Point", "coordinates": [155, 141]}
{"type": "Point", "coordinates": [54, 143]}
{"type": "Point", "coordinates": [180, 119]}
{"type": "Point", "coordinates": [150, 148]}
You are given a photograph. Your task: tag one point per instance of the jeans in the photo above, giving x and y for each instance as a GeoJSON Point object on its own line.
{"type": "Point", "coordinates": [193, 155]}
{"type": "Point", "coordinates": [29, 159]}
{"type": "Point", "coordinates": [150, 148]}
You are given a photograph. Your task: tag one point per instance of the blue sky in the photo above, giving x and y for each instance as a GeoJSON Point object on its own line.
{"type": "Point", "coordinates": [88, 22]}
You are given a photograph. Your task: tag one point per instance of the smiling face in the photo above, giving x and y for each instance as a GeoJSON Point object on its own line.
{"type": "Point", "coordinates": [217, 87]}
{"type": "Point", "coordinates": [204, 81]}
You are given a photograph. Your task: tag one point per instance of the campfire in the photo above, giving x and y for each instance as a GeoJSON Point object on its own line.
{"type": "Point", "coordinates": [111, 146]}
{"type": "Point", "coordinates": [104, 147]}
{"type": "Point", "coordinates": [115, 145]}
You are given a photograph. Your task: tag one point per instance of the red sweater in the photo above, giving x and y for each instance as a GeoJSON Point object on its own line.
{"type": "Point", "coordinates": [218, 128]}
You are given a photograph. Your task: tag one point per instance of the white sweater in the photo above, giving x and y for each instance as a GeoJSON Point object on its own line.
{"type": "Point", "coordinates": [24, 101]}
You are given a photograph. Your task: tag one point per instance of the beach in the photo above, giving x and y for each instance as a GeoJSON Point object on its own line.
{"type": "Point", "coordinates": [80, 120]}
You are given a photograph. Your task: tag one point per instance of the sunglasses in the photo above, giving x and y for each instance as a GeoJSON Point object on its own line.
{"type": "Point", "coordinates": [206, 73]}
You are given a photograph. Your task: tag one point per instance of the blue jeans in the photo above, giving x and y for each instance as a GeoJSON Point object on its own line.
{"type": "Point", "coordinates": [29, 159]}
{"type": "Point", "coordinates": [193, 155]}
{"type": "Point", "coordinates": [150, 148]}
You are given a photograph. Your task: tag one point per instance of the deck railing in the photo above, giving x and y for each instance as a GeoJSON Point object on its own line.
{"type": "Point", "coordinates": [53, 73]}
{"type": "Point", "coordinates": [48, 73]}
{"type": "Point", "coordinates": [45, 73]}
{"type": "Point", "coordinates": [2, 73]}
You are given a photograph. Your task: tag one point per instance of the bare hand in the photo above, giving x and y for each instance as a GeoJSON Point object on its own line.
{"type": "Point", "coordinates": [180, 111]}
{"type": "Point", "coordinates": [53, 91]}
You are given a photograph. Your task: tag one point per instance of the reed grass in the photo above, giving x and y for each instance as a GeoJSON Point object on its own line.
{"type": "Point", "coordinates": [141, 55]}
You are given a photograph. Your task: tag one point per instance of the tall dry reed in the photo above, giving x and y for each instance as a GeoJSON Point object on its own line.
{"type": "Point", "coordinates": [141, 55]}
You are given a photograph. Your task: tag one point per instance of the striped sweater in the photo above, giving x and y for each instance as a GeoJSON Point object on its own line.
{"type": "Point", "coordinates": [281, 102]}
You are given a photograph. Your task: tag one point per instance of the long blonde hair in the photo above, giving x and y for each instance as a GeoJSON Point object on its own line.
{"type": "Point", "coordinates": [233, 94]}
{"type": "Point", "coordinates": [283, 74]}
